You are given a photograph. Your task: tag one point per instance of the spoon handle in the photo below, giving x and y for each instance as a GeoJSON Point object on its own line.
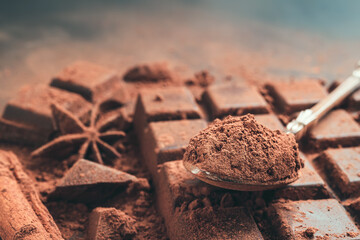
{"type": "Point", "coordinates": [308, 117]}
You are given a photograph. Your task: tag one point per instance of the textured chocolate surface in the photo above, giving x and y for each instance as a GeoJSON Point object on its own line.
{"type": "Point", "coordinates": [309, 186]}
{"type": "Point", "coordinates": [270, 121]}
{"type": "Point", "coordinates": [31, 106]}
{"type": "Point", "coordinates": [342, 167]}
{"type": "Point", "coordinates": [230, 99]}
{"type": "Point", "coordinates": [91, 182]}
{"type": "Point", "coordinates": [325, 219]}
{"type": "Point", "coordinates": [294, 96]}
{"type": "Point", "coordinates": [165, 141]}
{"type": "Point", "coordinates": [337, 128]}
{"type": "Point", "coordinates": [14, 132]}
{"type": "Point", "coordinates": [92, 81]}
{"type": "Point", "coordinates": [188, 205]}
{"type": "Point", "coordinates": [110, 223]}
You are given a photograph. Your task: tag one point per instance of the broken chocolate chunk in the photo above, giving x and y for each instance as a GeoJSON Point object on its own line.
{"type": "Point", "coordinates": [270, 121]}
{"type": "Point", "coordinates": [110, 223]}
{"type": "Point", "coordinates": [290, 97]}
{"type": "Point", "coordinates": [31, 106]}
{"type": "Point", "coordinates": [177, 103]}
{"type": "Point", "coordinates": [292, 219]}
{"type": "Point", "coordinates": [89, 182]}
{"type": "Point", "coordinates": [94, 82]}
{"type": "Point", "coordinates": [233, 99]}
{"type": "Point", "coordinates": [157, 72]}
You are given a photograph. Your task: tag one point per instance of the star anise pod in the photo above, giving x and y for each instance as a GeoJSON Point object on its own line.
{"type": "Point", "coordinates": [76, 136]}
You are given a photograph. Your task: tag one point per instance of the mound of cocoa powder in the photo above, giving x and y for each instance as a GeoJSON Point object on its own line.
{"type": "Point", "coordinates": [241, 148]}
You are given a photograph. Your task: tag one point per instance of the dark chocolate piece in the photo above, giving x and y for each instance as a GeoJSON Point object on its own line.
{"type": "Point", "coordinates": [337, 128]}
{"type": "Point", "coordinates": [166, 141]}
{"type": "Point", "coordinates": [270, 121]}
{"type": "Point", "coordinates": [19, 133]}
{"type": "Point", "coordinates": [31, 106]}
{"type": "Point", "coordinates": [89, 182]}
{"type": "Point", "coordinates": [157, 72]}
{"type": "Point", "coordinates": [233, 99]}
{"type": "Point", "coordinates": [342, 167]}
{"type": "Point", "coordinates": [94, 82]}
{"type": "Point", "coordinates": [195, 210]}
{"type": "Point", "coordinates": [309, 186]}
{"type": "Point", "coordinates": [318, 219]}
{"type": "Point", "coordinates": [290, 97]}
{"type": "Point", "coordinates": [163, 104]}
{"type": "Point", "coordinates": [110, 223]}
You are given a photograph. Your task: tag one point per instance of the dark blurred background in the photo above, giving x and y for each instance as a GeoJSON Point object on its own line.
{"type": "Point", "coordinates": [281, 38]}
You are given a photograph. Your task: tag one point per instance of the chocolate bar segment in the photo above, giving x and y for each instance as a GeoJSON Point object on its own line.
{"type": "Point", "coordinates": [309, 186]}
{"type": "Point", "coordinates": [270, 121]}
{"type": "Point", "coordinates": [342, 167]}
{"type": "Point", "coordinates": [189, 206]}
{"type": "Point", "coordinates": [312, 219]}
{"type": "Point", "coordinates": [90, 182]}
{"type": "Point", "coordinates": [290, 97]}
{"type": "Point", "coordinates": [233, 99]}
{"type": "Point", "coordinates": [166, 141]}
{"type": "Point", "coordinates": [94, 82]}
{"type": "Point", "coordinates": [172, 103]}
{"type": "Point", "coordinates": [337, 128]}
{"type": "Point", "coordinates": [19, 133]}
{"type": "Point", "coordinates": [31, 106]}
{"type": "Point", "coordinates": [110, 223]}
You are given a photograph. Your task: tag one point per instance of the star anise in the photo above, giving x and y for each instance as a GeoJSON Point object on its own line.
{"type": "Point", "coordinates": [76, 136]}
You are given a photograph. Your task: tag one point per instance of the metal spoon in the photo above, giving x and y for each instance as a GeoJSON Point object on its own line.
{"type": "Point", "coordinates": [298, 127]}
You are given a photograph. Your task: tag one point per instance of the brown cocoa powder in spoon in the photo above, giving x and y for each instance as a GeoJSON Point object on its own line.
{"type": "Point", "coordinates": [241, 148]}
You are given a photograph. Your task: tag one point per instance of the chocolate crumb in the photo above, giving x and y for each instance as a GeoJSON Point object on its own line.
{"type": "Point", "coordinates": [241, 148]}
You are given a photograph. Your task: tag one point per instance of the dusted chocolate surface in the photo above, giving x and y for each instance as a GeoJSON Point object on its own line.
{"type": "Point", "coordinates": [243, 149]}
{"type": "Point", "coordinates": [337, 128]}
{"type": "Point", "coordinates": [294, 96]}
{"type": "Point", "coordinates": [233, 99]}
{"type": "Point", "coordinates": [319, 219]}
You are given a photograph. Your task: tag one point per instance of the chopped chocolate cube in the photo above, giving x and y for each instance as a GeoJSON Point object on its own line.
{"type": "Point", "coordinates": [312, 219]}
{"type": "Point", "coordinates": [31, 106]}
{"type": "Point", "coordinates": [270, 121]}
{"type": "Point", "coordinates": [94, 82]}
{"type": "Point", "coordinates": [110, 223]}
{"type": "Point", "coordinates": [337, 128]}
{"type": "Point", "coordinates": [166, 141]}
{"type": "Point", "coordinates": [342, 167]}
{"type": "Point", "coordinates": [309, 186]}
{"type": "Point", "coordinates": [173, 103]}
{"type": "Point", "coordinates": [290, 97]}
{"type": "Point", "coordinates": [90, 182]}
{"type": "Point", "coordinates": [229, 99]}
{"type": "Point", "coordinates": [19, 133]}
{"type": "Point", "coordinates": [189, 206]}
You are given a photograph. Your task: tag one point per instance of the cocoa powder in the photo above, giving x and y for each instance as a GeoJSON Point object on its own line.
{"type": "Point", "coordinates": [241, 148]}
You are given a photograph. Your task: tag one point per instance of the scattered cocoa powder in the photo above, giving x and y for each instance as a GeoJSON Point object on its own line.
{"type": "Point", "coordinates": [241, 148]}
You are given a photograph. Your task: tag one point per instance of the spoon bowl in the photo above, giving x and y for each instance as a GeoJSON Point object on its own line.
{"type": "Point", "coordinates": [235, 184]}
